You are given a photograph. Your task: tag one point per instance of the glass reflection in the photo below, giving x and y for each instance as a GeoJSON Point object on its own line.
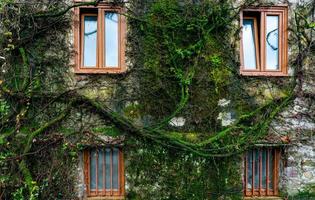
{"type": "Point", "coordinates": [249, 49]}
{"type": "Point", "coordinates": [249, 170]}
{"type": "Point", "coordinates": [257, 168]}
{"type": "Point", "coordinates": [264, 168]}
{"type": "Point", "coordinates": [100, 169]}
{"type": "Point", "coordinates": [107, 168]}
{"type": "Point", "coordinates": [272, 42]}
{"type": "Point", "coordinates": [90, 41]}
{"type": "Point", "coordinates": [111, 39]}
{"type": "Point", "coordinates": [271, 169]}
{"type": "Point", "coordinates": [115, 168]}
{"type": "Point", "coordinates": [93, 170]}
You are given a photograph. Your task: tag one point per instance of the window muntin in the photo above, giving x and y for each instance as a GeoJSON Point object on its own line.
{"type": "Point", "coordinates": [101, 50]}
{"type": "Point", "coordinates": [261, 172]}
{"type": "Point", "coordinates": [104, 174]}
{"type": "Point", "coordinates": [270, 36]}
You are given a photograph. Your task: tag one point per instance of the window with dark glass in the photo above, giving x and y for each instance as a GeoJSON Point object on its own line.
{"type": "Point", "coordinates": [264, 41]}
{"type": "Point", "coordinates": [99, 39]}
{"type": "Point", "coordinates": [104, 172]}
{"type": "Point", "coordinates": [261, 172]}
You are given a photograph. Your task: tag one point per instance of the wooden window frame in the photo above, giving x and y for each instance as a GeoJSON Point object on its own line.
{"type": "Point", "coordinates": [282, 12]}
{"type": "Point", "coordinates": [99, 11]}
{"type": "Point", "coordinates": [107, 193]}
{"type": "Point", "coordinates": [260, 192]}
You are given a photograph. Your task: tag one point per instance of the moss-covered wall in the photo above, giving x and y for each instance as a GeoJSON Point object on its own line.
{"type": "Point", "coordinates": [182, 113]}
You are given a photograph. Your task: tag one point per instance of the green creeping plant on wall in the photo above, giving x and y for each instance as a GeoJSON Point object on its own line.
{"type": "Point", "coordinates": [183, 64]}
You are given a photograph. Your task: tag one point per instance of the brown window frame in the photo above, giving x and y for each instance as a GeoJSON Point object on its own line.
{"type": "Point", "coordinates": [252, 192]}
{"type": "Point", "coordinates": [100, 68]}
{"type": "Point", "coordinates": [282, 12]}
{"type": "Point", "coordinates": [104, 193]}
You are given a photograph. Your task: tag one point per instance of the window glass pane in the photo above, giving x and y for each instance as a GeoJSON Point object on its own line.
{"type": "Point", "coordinates": [107, 168]}
{"type": "Point", "coordinates": [271, 169]}
{"type": "Point", "coordinates": [100, 169]}
{"type": "Point", "coordinates": [111, 39]}
{"type": "Point", "coordinates": [90, 41]}
{"type": "Point", "coordinates": [272, 42]}
{"type": "Point", "coordinates": [264, 168]}
{"type": "Point", "coordinates": [256, 169]}
{"type": "Point", "coordinates": [249, 52]}
{"type": "Point", "coordinates": [93, 170]}
{"type": "Point", "coordinates": [115, 168]}
{"type": "Point", "coordinates": [249, 170]}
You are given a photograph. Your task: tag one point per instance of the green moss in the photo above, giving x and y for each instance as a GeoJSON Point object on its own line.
{"type": "Point", "coordinates": [132, 111]}
{"type": "Point", "coordinates": [101, 93]}
{"type": "Point", "coordinates": [182, 65]}
{"type": "Point", "coordinates": [107, 130]}
{"type": "Point", "coordinates": [307, 193]}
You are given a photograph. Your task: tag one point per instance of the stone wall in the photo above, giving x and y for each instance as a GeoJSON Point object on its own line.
{"type": "Point", "coordinates": [294, 126]}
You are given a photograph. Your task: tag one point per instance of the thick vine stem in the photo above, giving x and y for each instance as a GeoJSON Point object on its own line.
{"type": "Point", "coordinates": [181, 105]}
{"type": "Point", "coordinates": [197, 148]}
{"type": "Point", "coordinates": [27, 176]}
{"type": "Point", "coordinates": [63, 12]}
{"type": "Point", "coordinates": [183, 54]}
{"type": "Point", "coordinates": [23, 165]}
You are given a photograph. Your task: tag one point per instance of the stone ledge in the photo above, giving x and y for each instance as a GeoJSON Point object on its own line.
{"type": "Point", "coordinates": [263, 198]}
{"type": "Point", "coordinates": [105, 198]}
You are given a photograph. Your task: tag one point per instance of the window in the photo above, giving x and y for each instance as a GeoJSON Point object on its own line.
{"type": "Point", "coordinates": [99, 37]}
{"type": "Point", "coordinates": [261, 172]}
{"type": "Point", "coordinates": [104, 172]}
{"type": "Point", "coordinates": [264, 41]}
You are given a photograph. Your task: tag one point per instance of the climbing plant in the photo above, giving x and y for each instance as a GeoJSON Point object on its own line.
{"type": "Point", "coordinates": [183, 64]}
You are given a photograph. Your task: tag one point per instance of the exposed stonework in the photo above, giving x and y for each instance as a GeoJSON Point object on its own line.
{"type": "Point", "coordinates": [294, 127]}
{"type": "Point", "coordinates": [299, 170]}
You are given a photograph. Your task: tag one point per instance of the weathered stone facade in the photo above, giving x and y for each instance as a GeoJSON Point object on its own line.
{"type": "Point", "coordinates": [293, 129]}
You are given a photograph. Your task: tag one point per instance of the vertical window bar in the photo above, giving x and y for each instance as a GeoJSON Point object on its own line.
{"type": "Point", "coordinates": [267, 172]}
{"type": "Point", "coordinates": [245, 165]}
{"type": "Point", "coordinates": [260, 171]}
{"type": "Point", "coordinates": [119, 171]}
{"type": "Point", "coordinates": [96, 180]}
{"type": "Point", "coordinates": [104, 187]}
{"type": "Point", "coordinates": [111, 171]}
{"type": "Point", "coordinates": [253, 175]}
{"type": "Point", "coordinates": [88, 164]}
{"type": "Point", "coordinates": [118, 168]}
{"type": "Point", "coordinates": [274, 170]}
{"type": "Point", "coordinates": [276, 175]}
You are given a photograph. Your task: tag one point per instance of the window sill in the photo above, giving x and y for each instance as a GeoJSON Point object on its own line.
{"type": "Point", "coordinates": [99, 71]}
{"type": "Point", "coordinates": [262, 198]}
{"type": "Point", "coordinates": [106, 198]}
{"type": "Point", "coordinates": [250, 73]}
